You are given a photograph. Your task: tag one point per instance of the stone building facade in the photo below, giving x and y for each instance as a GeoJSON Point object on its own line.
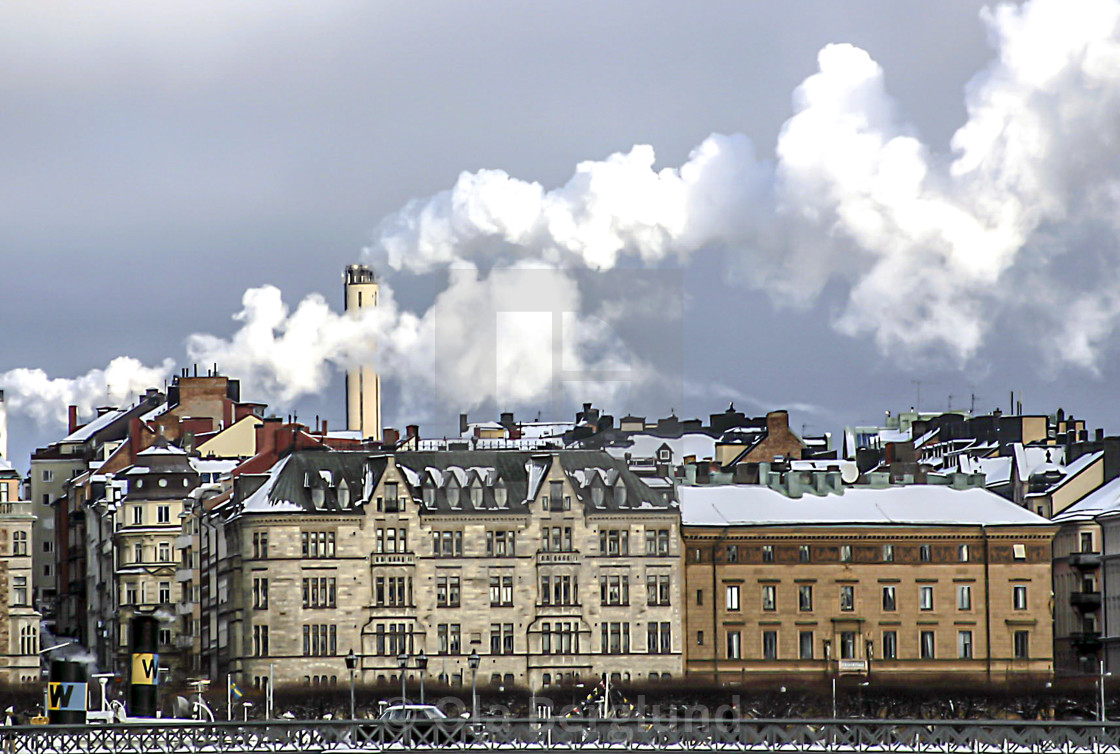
{"type": "Point", "coordinates": [905, 582]}
{"type": "Point", "coordinates": [19, 621]}
{"type": "Point", "coordinates": [553, 567]}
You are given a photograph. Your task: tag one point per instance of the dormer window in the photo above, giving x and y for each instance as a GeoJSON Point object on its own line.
{"type": "Point", "coordinates": [597, 495]}
{"type": "Point", "coordinates": [318, 497]}
{"type": "Point", "coordinates": [476, 494]}
{"type": "Point", "coordinates": [392, 498]}
{"type": "Point", "coordinates": [500, 494]}
{"type": "Point", "coordinates": [343, 494]}
{"type": "Point", "coordinates": [428, 492]}
{"type": "Point", "coordinates": [620, 494]}
{"type": "Point", "coordinates": [664, 455]}
{"type": "Point", "coordinates": [453, 493]}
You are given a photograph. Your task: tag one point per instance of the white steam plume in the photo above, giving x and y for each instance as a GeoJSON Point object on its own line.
{"type": "Point", "coordinates": [45, 399]}
{"type": "Point", "coordinates": [925, 243]}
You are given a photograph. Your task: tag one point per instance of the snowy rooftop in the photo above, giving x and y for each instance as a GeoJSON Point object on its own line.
{"type": "Point", "coordinates": [1104, 499]}
{"type": "Point", "coordinates": [81, 434]}
{"type": "Point", "coordinates": [995, 470]}
{"type": "Point", "coordinates": [749, 505]}
{"type": "Point", "coordinates": [689, 444]}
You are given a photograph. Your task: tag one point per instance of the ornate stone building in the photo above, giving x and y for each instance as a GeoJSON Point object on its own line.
{"type": "Point", "coordinates": [553, 567]}
{"type": "Point", "coordinates": [19, 622]}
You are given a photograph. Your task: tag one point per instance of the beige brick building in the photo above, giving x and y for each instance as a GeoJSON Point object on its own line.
{"type": "Point", "coordinates": [554, 567]}
{"type": "Point", "coordinates": [19, 622]}
{"type": "Point", "coordinates": [904, 581]}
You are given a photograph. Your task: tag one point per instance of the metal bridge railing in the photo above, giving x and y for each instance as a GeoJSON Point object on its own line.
{"type": "Point", "coordinates": [597, 734]}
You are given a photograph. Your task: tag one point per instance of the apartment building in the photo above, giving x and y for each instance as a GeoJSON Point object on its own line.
{"type": "Point", "coordinates": [553, 567]}
{"type": "Point", "coordinates": [19, 621]}
{"type": "Point", "coordinates": [902, 581]}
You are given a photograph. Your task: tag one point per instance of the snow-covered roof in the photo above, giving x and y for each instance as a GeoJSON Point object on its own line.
{"type": "Point", "coordinates": [345, 434]}
{"type": "Point", "coordinates": [164, 450]}
{"type": "Point", "coordinates": [6, 465]}
{"type": "Point", "coordinates": [751, 505]}
{"type": "Point", "coordinates": [1030, 458]}
{"type": "Point", "coordinates": [1104, 499]}
{"type": "Point", "coordinates": [695, 444]}
{"type": "Point", "coordinates": [213, 465]}
{"type": "Point", "coordinates": [81, 434]}
{"type": "Point", "coordinates": [996, 470]}
{"type": "Point", "coordinates": [259, 501]}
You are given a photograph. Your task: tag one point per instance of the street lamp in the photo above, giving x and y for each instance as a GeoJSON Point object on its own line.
{"type": "Point", "coordinates": [402, 663]}
{"type": "Point", "coordinates": [473, 662]}
{"type": "Point", "coordinates": [351, 665]}
{"type": "Point", "coordinates": [828, 668]}
{"type": "Point", "coordinates": [422, 666]}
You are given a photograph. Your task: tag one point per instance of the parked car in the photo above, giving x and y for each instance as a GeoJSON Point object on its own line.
{"type": "Point", "coordinates": [421, 725]}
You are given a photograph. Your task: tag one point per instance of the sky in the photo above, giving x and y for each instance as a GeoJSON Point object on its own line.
{"type": "Point", "coordinates": [835, 208]}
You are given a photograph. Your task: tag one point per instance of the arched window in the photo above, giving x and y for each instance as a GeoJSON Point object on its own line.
{"type": "Point", "coordinates": [476, 494]}
{"type": "Point", "coordinates": [501, 496]}
{"type": "Point", "coordinates": [620, 493]}
{"type": "Point", "coordinates": [453, 493]}
{"type": "Point", "coordinates": [597, 494]}
{"type": "Point", "coordinates": [343, 494]}
{"type": "Point", "coordinates": [428, 492]}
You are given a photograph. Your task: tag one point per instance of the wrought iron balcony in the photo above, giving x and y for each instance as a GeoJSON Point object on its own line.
{"type": "Point", "coordinates": [1086, 641]}
{"type": "Point", "coordinates": [1086, 601]}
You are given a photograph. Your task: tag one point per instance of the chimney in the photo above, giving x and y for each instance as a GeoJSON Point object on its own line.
{"type": "Point", "coordinates": [391, 436]}
{"type": "Point", "coordinates": [506, 419]}
{"type": "Point", "coordinates": [463, 424]}
{"type": "Point", "coordinates": [324, 427]}
{"type": "Point", "coordinates": [72, 415]}
{"type": "Point", "coordinates": [133, 438]}
{"type": "Point", "coordinates": [412, 430]}
{"type": "Point", "coordinates": [777, 421]}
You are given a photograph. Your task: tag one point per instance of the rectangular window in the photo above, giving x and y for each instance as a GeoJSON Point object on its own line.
{"type": "Point", "coordinates": [260, 594]}
{"type": "Point", "coordinates": [317, 544]}
{"type": "Point", "coordinates": [699, 638]}
{"type": "Point", "coordinates": [392, 498]}
{"type": "Point", "coordinates": [19, 590]}
{"type": "Point", "coordinates": [733, 553]}
{"type": "Point", "coordinates": [1019, 597]}
{"type": "Point", "coordinates": [845, 553]}
{"type": "Point", "coordinates": [925, 553]}
{"type": "Point", "coordinates": [699, 596]}
{"type": "Point", "coordinates": [768, 553]}
{"type": "Point", "coordinates": [163, 514]}
{"type": "Point", "coordinates": [927, 645]}
{"type": "Point", "coordinates": [847, 598]}
{"type": "Point", "coordinates": [962, 553]}
{"type": "Point", "coordinates": [805, 645]}
{"type": "Point", "coordinates": [614, 542]}
{"type": "Point", "coordinates": [137, 515]}
{"type": "Point", "coordinates": [260, 641]}
{"type": "Point", "coordinates": [165, 552]}
{"type": "Point", "coordinates": [964, 645]}
{"type": "Point", "coordinates": [890, 604]}
{"type": "Point", "coordinates": [769, 597]}
{"type": "Point", "coordinates": [803, 553]}
{"type": "Point", "coordinates": [888, 553]}
{"type": "Point", "coordinates": [615, 638]}
{"type": "Point", "coordinates": [1086, 541]}
{"type": "Point", "coordinates": [1019, 552]}
{"type": "Point", "coordinates": [614, 589]}
{"type": "Point", "coordinates": [925, 597]}
{"type": "Point", "coordinates": [447, 544]}
{"type": "Point", "coordinates": [734, 646]}
{"type": "Point", "coordinates": [805, 598]}
{"type": "Point", "coordinates": [1022, 645]}
{"type": "Point", "coordinates": [769, 645]}
{"type": "Point", "coordinates": [890, 645]}
{"type": "Point", "coordinates": [732, 597]}
{"type": "Point", "coordinates": [847, 645]}
{"type": "Point", "coordinates": [964, 597]}
{"type": "Point", "coordinates": [657, 589]}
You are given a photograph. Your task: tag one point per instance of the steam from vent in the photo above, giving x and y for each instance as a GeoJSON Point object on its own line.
{"type": "Point", "coordinates": [932, 249]}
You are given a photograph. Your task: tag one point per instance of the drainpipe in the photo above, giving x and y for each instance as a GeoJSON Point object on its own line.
{"type": "Point", "coordinates": [1103, 625]}
{"type": "Point", "coordinates": [715, 611]}
{"type": "Point", "coordinates": [987, 607]}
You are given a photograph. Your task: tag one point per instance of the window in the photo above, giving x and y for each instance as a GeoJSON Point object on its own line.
{"type": "Point", "coordinates": [888, 553]}
{"type": "Point", "coordinates": [138, 553]}
{"type": "Point", "coordinates": [803, 553]}
{"type": "Point", "coordinates": [163, 514]}
{"type": "Point", "coordinates": [559, 589]}
{"type": "Point", "coordinates": [260, 594]}
{"type": "Point", "coordinates": [699, 638]}
{"type": "Point", "coordinates": [659, 638]}
{"type": "Point", "coordinates": [317, 544]}
{"type": "Point", "coordinates": [392, 498]}
{"type": "Point", "coordinates": [614, 542]}
{"type": "Point", "coordinates": [260, 641]}
{"type": "Point", "coordinates": [769, 645]}
{"type": "Point", "coordinates": [805, 645]}
{"type": "Point", "coordinates": [847, 598]}
{"type": "Point", "coordinates": [964, 645]}
{"type": "Point", "coordinates": [614, 589]}
{"type": "Point", "coordinates": [925, 553]}
{"type": "Point", "coordinates": [388, 591]}
{"type": "Point", "coordinates": [964, 597]}
{"type": "Point", "coordinates": [19, 590]}
{"type": "Point", "coordinates": [391, 639]}
{"type": "Point", "coordinates": [447, 544]}
{"type": "Point", "coordinates": [321, 640]}
{"type": "Point", "coordinates": [890, 645]}
{"type": "Point", "coordinates": [1019, 597]}
{"type": "Point", "coordinates": [164, 592]}
{"type": "Point", "coordinates": [48, 475]}
{"type": "Point", "coordinates": [320, 591]}
{"type": "Point", "coordinates": [447, 591]}
{"type": "Point", "coordinates": [734, 646]}
{"type": "Point", "coordinates": [805, 597]}
{"type": "Point", "coordinates": [657, 541]}
{"type": "Point", "coordinates": [164, 637]}
{"type": "Point", "coordinates": [19, 543]}
{"type": "Point", "coordinates": [732, 601]}
{"type": "Point", "coordinates": [699, 596]}
{"type": "Point", "coordinates": [449, 638]}
{"type": "Point", "coordinates": [845, 553]}
{"type": "Point", "coordinates": [1019, 552]}
{"type": "Point", "coordinates": [769, 597]}
{"type": "Point", "coordinates": [260, 544]}
{"type": "Point", "coordinates": [500, 494]}
{"type": "Point", "coordinates": [500, 544]}
{"type": "Point", "coordinates": [137, 515]}
{"type": "Point", "coordinates": [1022, 645]}
{"type": "Point", "coordinates": [4, 493]}
{"type": "Point", "coordinates": [927, 645]}
{"type": "Point", "coordinates": [165, 552]}
{"type": "Point", "coordinates": [501, 591]}
{"type": "Point", "coordinates": [1086, 541]}
{"type": "Point", "coordinates": [925, 598]}
{"type": "Point", "coordinates": [962, 553]}
{"type": "Point", "coordinates": [733, 553]}
{"type": "Point", "coordinates": [130, 594]}
{"type": "Point", "coordinates": [556, 539]}
{"type": "Point", "coordinates": [768, 553]}
{"type": "Point", "coordinates": [847, 645]}
{"type": "Point", "coordinates": [560, 638]}
{"type": "Point", "coordinates": [657, 589]}
{"type": "Point", "coordinates": [556, 501]}
{"type": "Point", "coordinates": [890, 604]}
{"type": "Point", "coordinates": [615, 638]}
{"type": "Point", "coordinates": [453, 493]}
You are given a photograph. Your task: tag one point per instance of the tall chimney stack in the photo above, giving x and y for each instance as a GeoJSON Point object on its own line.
{"type": "Point", "coordinates": [363, 384]}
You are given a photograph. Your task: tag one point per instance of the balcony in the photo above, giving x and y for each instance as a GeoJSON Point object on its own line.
{"type": "Point", "coordinates": [76, 517]}
{"type": "Point", "coordinates": [1086, 601]}
{"type": "Point", "coordinates": [184, 642]}
{"type": "Point", "coordinates": [20, 508]}
{"type": "Point", "coordinates": [852, 666]}
{"type": "Point", "coordinates": [1085, 559]}
{"type": "Point", "coordinates": [1086, 641]}
{"type": "Point", "coordinates": [393, 558]}
{"type": "Point", "coordinates": [557, 558]}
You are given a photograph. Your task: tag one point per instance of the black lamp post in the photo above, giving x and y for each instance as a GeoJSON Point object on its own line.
{"type": "Point", "coordinates": [351, 665]}
{"type": "Point", "coordinates": [422, 666]}
{"type": "Point", "coordinates": [402, 663]}
{"type": "Point", "coordinates": [473, 661]}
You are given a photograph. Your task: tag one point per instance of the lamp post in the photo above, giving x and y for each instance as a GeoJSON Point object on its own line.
{"type": "Point", "coordinates": [473, 662]}
{"type": "Point", "coordinates": [422, 666]}
{"type": "Point", "coordinates": [828, 667]}
{"type": "Point", "coordinates": [402, 663]}
{"type": "Point", "coordinates": [351, 665]}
